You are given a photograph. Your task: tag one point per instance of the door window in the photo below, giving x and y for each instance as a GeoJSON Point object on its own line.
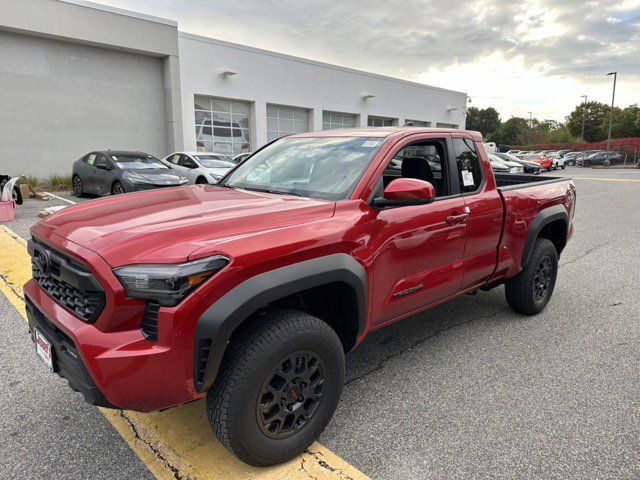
{"type": "Point", "coordinates": [468, 164]}
{"type": "Point", "coordinates": [424, 160]}
{"type": "Point", "coordinates": [174, 159]}
{"type": "Point", "coordinates": [186, 162]}
{"type": "Point", "coordinates": [91, 158]}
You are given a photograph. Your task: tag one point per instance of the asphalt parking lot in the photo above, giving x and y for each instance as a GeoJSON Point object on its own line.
{"type": "Point", "coordinates": [466, 390]}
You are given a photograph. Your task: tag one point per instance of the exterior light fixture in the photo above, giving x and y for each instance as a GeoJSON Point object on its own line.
{"type": "Point", "coordinates": [227, 73]}
{"type": "Point", "coordinates": [451, 108]}
{"type": "Point", "coordinates": [367, 96]}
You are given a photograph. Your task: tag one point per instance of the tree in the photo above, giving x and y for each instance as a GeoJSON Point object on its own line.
{"type": "Point", "coordinates": [514, 131]}
{"type": "Point", "coordinates": [626, 122]}
{"type": "Point", "coordinates": [485, 120]}
{"type": "Point", "coordinates": [596, 121]}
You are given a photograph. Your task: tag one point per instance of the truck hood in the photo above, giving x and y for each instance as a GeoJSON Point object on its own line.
{"type": "Point", "coordinates": [168, 225]}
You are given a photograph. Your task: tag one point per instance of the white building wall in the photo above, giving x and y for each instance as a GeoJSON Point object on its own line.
{"type": "Point", "coordinates": [266, 77]}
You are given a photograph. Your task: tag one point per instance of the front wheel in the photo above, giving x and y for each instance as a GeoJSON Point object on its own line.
{"type": "Point", "coordinates": [117, 189]}
{"type": "Point", "coordinates": [530, 290]}
{"type": "Point", "coordinates": [78, 188]}
{"type": "Point", "coordinates": [277, 387]}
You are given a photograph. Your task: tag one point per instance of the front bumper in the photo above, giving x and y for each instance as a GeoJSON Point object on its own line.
{"type": "Point", "coordinates": [115, 364]}
{"type": "Point", "coordinates": [68, 363]}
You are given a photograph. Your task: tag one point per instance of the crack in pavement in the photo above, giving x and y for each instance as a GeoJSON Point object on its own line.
{"type": "Point", "coordinates": [381, 364]}
{"type": "Point", "coordinates": [585, 254]}
{"type": "Point", "coordinates": [325, 465]}
{"type": "Point", "coordinates": [10, 286]}
{"type": "Point", "coordinates": [174, 470]}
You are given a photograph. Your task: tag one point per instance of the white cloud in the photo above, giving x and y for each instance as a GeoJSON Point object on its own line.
{"type": "Point", "coordinates": [536, 55]}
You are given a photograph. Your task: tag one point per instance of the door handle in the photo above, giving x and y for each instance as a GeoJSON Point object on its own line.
{"type": "Point", "coordinates": [456, 219]}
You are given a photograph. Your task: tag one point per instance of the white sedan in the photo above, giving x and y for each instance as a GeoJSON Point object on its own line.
{"type": "Point", "coordinates": [200, 167]}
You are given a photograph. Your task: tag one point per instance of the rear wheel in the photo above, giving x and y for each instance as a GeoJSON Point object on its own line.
{"type": "Point", "coordinates": [78, 188]}
{"type": "Point", "coordinates": [530, 291]}
{"type": "Point", "coordinates": [117, 189]}
{"type": "Point", "coordinates": [278, 386]}
{"type": "Point", "coordinates": [586, 164]}
{"type": "Point", "coordinates": [201, 180]}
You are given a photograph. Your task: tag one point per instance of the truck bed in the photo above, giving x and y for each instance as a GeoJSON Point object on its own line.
{"type": "Point", "coordinates": [510, 181]}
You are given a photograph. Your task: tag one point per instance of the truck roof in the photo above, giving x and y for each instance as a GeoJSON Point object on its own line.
{"type": "Point", "coordinates": [384, 132]}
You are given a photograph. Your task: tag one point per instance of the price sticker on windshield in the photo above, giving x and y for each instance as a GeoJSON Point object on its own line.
{"type": "Point", "coordinates": [370, 144]}
{"type": "Point", "coordinates": [467, 178]}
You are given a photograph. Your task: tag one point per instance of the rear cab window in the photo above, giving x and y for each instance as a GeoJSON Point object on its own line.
{"type": "Point", "coordinates": [468, 164]}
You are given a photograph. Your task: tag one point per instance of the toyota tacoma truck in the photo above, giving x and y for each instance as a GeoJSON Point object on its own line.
{"type": "Point", "coordinates": [250, 292]}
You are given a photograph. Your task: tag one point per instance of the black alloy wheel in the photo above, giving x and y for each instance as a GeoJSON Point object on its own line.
{"type": "Point", "coordinates": [78, 189]}
{"type": "Point", "coordinates": [542, 279]}
{"type": "Point", "coordinates": [291, 394]}
{"type": "Point", "coordinates": [117, 189]}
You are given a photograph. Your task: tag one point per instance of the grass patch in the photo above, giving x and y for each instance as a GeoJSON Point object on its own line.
{"type": "Point", "coordinates": [52, 182]}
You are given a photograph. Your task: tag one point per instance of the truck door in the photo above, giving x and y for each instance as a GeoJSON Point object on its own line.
{"type": "Point", "coordinates": [417, 249]}
{"type": "Point", "coordinates": [477, 185]}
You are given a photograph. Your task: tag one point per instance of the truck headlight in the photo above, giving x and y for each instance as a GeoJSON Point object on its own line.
{"type": "Point", "coordinates": [168, 284]}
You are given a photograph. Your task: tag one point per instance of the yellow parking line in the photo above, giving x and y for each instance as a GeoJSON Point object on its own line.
{"type": "Point", "coordinates": [176, 443]}
{"type": "Point", "coordinates": [608, 179]}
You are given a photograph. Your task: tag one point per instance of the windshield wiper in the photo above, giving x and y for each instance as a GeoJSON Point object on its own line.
{"type": "Point", "coordinates": [264, 190]}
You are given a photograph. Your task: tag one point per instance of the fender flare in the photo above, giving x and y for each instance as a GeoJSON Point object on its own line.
{"type": "Point", "coordinates": [543, 218]}
{"type": "Point", "coordinates": [216, 325]}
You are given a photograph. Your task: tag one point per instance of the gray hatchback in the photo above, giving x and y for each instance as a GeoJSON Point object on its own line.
{"type": "Point", "coordinates": [113, 172]}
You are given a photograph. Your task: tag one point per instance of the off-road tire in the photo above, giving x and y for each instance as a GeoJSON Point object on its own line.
{"type": "Point", "coordinates": [521, 290]}
{"type": "Point", "coordinates": [251, 356]}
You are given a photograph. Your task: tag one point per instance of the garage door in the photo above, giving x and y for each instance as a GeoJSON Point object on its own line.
{"type": "Point", "coordinates": [60, 100]}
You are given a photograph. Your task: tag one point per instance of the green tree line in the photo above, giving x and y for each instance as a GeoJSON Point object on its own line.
{"type": "Point", "coordinates": [595, 115]}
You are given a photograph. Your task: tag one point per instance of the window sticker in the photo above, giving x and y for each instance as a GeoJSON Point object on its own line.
{"type": "Point", "coordinates": [370, 144]}
{"type": "Point", "coordinates": [467, 178]}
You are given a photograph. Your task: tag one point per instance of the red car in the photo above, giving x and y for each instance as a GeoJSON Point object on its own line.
{"type": "Point", "coordinates": [250, 292]}
{"type": "Point", "coordinates": [542, 160]}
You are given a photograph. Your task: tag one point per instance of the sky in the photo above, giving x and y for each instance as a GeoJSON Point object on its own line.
{"type": "Point", "coordinates": [535, 56]}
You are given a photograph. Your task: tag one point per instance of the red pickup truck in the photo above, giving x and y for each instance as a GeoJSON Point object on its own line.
{"type": "Point", "coordinates": [250, 292]}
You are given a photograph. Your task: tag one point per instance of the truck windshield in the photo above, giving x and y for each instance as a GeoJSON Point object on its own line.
{"type": "Point", "coordinates": [318, 167]}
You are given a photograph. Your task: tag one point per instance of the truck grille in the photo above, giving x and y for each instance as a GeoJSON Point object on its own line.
{"type": "Point", "coordinates": [68, 282]}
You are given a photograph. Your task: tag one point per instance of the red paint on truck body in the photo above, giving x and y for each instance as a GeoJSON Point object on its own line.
{"type": "Point", "coordinates": [414, 258]}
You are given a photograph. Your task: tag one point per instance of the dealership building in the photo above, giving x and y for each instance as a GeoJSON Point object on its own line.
{"type": "Point", "coordinates": [77, 76]}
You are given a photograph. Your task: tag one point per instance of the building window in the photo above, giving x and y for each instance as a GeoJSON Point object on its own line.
{"type": "Point", "coordinates": [416, 123]}
{"type": "Point", "coordinates": [222, 125]}
{"type": "Point", "coordinates": [381, 121]}
{"type": "Point", "coordinates": [446, 125]}
{"type": "Point", "coordinates": [285, 121]}
{"type": "Point", "coordinates": [331, 120]}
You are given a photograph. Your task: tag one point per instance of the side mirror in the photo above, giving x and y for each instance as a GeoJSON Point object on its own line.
{"type": "Point", "coordinates": [102, 166]}
{"type": "Point", "coordinates": [406, 191]}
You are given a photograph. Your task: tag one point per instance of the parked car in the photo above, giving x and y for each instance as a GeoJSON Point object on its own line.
{"type": "Point", "coordinates": [572, 158]}
{"type": "Point", "coordinates": [598, 158]}
{"type": "Point", "coordinates": [114, 172]}
{"type": "Point", "coordinates": [200, 167]}
{"type": "Point", "coordinates": [529, 167]}
{"type": "Point", "coordinates": [250, 295]}
{"type": "Point", "coordinates": [241, 157]}
{"type": "Point", "coordinates": [544, 162]}
{"type": "Point", "coordinates": [498, 165]}
{"type": "Point", "coordinates": [557, 161]}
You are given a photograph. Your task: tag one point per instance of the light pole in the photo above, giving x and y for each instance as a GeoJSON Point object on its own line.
{"type": "Point", "coordinates": [613, 98]}
{"type": "Point", "coordinates": [530, 126]}
{"type": "Point", "coordinates": [584, 114]}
